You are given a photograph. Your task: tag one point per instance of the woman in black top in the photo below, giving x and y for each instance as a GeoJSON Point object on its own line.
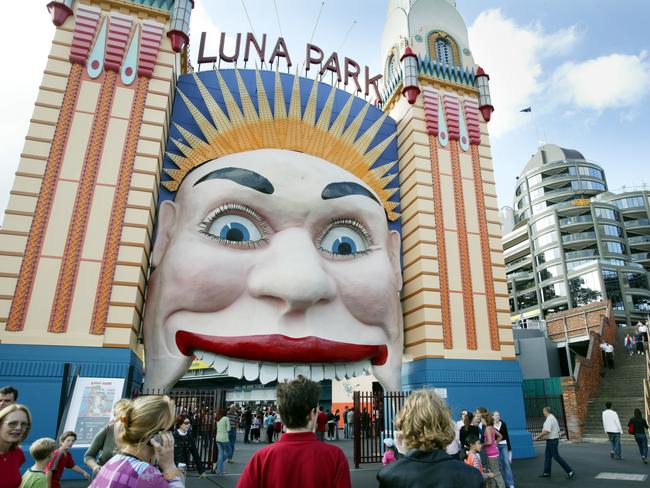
{"type": "Point", "coordinates": [184, 445]}
{"type": "Point", "coordinates": [469, 428]}
{"type": "Point", "coordinates": [638, 426]}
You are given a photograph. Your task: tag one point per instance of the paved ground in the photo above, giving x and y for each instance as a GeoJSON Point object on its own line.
{"type": "Point", "coordinates": [588, 460]}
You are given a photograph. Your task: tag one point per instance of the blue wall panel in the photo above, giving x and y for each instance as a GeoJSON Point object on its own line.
{"type": "Point", "coordinates": [495, 385]}
{"type": "Point", "coordinates": [37, 373]}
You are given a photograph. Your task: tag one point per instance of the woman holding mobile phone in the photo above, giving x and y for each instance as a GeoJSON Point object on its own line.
{"type": "Point", "coordinates": [142, 437]}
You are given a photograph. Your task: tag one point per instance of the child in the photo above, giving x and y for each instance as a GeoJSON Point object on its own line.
{"type": "Point", "coordinates": [473, 457]}
{"type": "Point", "coordinates": [63, 459]}
{"type": "Point", "coordinates": [255, 429]}
{"type": "Point", "coordinates": [41, 450]}
{"type": "Point", "coordinates": [390, 456]}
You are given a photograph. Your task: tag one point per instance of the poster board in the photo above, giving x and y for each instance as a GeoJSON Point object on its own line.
{"type": "Point", "coordinates": [92, 407]}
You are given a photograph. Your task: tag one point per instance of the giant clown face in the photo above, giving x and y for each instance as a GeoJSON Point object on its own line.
{"type": "Point", "coordinates": [274, 263]}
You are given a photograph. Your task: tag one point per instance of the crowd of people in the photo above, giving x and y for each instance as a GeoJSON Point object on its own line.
{"type": "Point", "coordinates": [149, 444]}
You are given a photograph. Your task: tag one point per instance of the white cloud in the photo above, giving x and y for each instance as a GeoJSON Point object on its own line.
{"type": "Point", "coordinates": [201, 21]}
{"type": "Point", "coordinates": [512, 55]}
{"type": "Point", "coordinates": [611, 81]}
{"type": "Point", "coordinates": [24, 65]}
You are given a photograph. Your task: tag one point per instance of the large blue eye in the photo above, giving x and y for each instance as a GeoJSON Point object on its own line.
{"type": "Point", "coordinates": [344, 240]}
{"type": "Point", "coordinates": [234, 228]}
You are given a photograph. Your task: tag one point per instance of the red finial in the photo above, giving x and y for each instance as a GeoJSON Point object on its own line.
{"type": "Point", "coordinates": [178, 40]}
{"type": "Point", "coordinates": [59, 12]}
{"type": "Point", "coordinates": [481, 72]}
{"type": "Point", "coordinates": [408, 52]}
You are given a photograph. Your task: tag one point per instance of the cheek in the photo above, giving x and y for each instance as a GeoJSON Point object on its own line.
{"type": "Point", "coordinates": [367, 289]}
{"type": "Point", "coordinates": [200, 275]}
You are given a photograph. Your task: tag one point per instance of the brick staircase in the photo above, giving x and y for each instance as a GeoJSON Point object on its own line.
{"type": "Point", "coordinates": [623, 386]}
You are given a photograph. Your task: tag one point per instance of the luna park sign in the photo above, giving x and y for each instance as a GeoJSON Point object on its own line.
{"type": "Point", "coordinates": [348, 72]}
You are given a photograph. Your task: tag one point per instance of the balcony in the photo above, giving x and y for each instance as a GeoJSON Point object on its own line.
{"type": "Point", "coordinates": [517, 250]}
{"type": "Point", "coordinates": [581, 238]}
{"type": "Point", "coordinates": [517, 263]}
{"type": "Point", "coordinates": [640, 242]}
{"type": "Point", "coordinates": [521, 276]}
{"type": "Point", "coordinates": [586, 253]}
{"type": "Point", "coordinates": [641, 256]}
{"type": "Point", "coordinates": [635, 224]}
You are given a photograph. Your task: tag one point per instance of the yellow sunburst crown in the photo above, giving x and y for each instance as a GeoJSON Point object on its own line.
{"type": "Point", "coordinates": [247, 128]}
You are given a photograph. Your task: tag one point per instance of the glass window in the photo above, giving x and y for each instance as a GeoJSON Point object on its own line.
{"type": "Point", "coordinates": [556, 308]}
{"type": "Point", "coordinates": [615, 247]}
{"type": "Point", "coordinates": [592, 185]}
{"type": "Point", "coordinates": [533, 180]}
{"type": "Point", "coordinates": [550, 272]}
{"type": "Point", "coordinates": [641, 303]}
{"type": "Point", "coordinates": [585, 289]}
{"type": "Point", "coordinates": [613, 289]}
{"type": "Point", "coordinates": [571, 265]}
{"type": "Point", "coordinates": [629, 202]}
{"type": "Point", "coordinates": [588, 171]}
{"type": "Point", "coordinates": [611, 230]}
{"type": "Point", "coordinates": [527, 300]}
{"type": "Point", "coordinates": [512, 304]}
{"type": "Point", "coordinates": [543, 223]}
{"type": "Point", "coordinates": [443, 52]}
{"type": "Point", "coordinates": [552, 291]}
{"type": "Point", "coordinates": [538, 207]}
{"type": "Point", "coordinates": [538, 193]}
{"type": "Point", "coordinates": [637, 280]}
{"type": "Point", "coordinates": [548, 255]}
{"type": "Point", "coordinates": [545, 239]}
{"type": "Point", "coordinates": [572, 170]}
{"type": "Point", "coordinates": [606, 213]}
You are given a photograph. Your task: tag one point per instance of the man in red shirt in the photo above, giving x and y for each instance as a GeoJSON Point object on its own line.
{"type": "Point", "coordinates": [321, 424]}
{"type": "Point", "coordinates": [62, 459]}
{"type": "Point", "coordinates": [297, 459]}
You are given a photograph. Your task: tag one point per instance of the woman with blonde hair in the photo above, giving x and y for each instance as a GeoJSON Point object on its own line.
{"type": "Point", "coordinates": [425, 429]}
{"type": "Point", "coordinates": [142, 434]}
{"type": "Point", "coordinates": [15, 423]}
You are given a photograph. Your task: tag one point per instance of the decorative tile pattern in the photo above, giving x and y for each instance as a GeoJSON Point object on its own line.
{"type": "Point", "coordinates": [430, 99]}
{"type": "Point", "coordinates": [119, 29]}
{"type": "Point", "coordinates": [440, 240]}
{"type": "Point", "coordinates": [85, 26]}
{"type": "Point", "coordinates": [24, 286]}
{"type": "Point", "coordinates": [111, 249]}
{"type": "Point", "coordinates": [485, 250]}
{"type": "Point", "coordinates": [81, 210]}
{"type": "Point", "coordinates": [450, 101]}
{"type": "Point", "coordinates": [471, 115]}
{"type": "Point", "coordinates": [151, 34]}
{"type": "Point", "coordinates": [463, 248]}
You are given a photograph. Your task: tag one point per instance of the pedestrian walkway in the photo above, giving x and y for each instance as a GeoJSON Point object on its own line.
{"type": "Point", "coordinates": [623, 386]}
{"type": "Point", "coordinates": [589, 460]}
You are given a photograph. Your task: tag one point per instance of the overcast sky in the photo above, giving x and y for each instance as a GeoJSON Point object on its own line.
{"type": "Point", "coordinates": [582, 65]}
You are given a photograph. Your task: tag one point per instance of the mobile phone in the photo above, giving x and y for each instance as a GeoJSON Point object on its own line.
{"type": "Point", "coordinates": [157, 438]}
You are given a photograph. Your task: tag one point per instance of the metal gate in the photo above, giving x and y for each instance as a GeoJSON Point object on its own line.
{"type": "Point", "coordinates": [374, 420]}
{"type": "Point", "coordinates": [534, 406]}
{"type": "Point", "coordinates": [201, 407]}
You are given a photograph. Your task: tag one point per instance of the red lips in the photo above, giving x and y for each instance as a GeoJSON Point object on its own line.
{"type": "Point", "coordinates": [277, 348]}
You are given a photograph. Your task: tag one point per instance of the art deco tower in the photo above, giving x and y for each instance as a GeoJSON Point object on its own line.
{"type": "Point", "coordinates": [75, 241]}
{"type": "Point", "coordinates": [455, 299]}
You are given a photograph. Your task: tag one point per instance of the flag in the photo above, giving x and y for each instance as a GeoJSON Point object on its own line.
{"type": "Point", "coordinates": [527, 109]}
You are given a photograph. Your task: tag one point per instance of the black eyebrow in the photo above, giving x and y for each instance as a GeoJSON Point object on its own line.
{"type": "Point", "coordinates": [344, 189]}
{"type": "Point", "coordinates": [242, 176]}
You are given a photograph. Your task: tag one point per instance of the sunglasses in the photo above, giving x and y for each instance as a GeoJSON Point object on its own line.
{"type": "Point", "coordinates": [15, 423]}
{"type": "Point", "coordinates": [186, 422]}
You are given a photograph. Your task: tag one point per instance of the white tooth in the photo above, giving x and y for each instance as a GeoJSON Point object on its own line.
{"type": "Point", "coordinates": [251, 370]}
{"type": "Point", "coordinates": [206, 357]}
{"type": "Point", "coordinates": [220, 363]}
{"type": "Point", "coordinates": [328, 371]}
{"type": "Point", "coordinates": [303, 369]}
{"type": "Point", "coordinates": [361, 367]}
{"type": "Point", "coordinates": [340, 371]}
{"type": "Point", "coordinates": [235, 368]}
{"type": "Point", "coordinates": [285, 371]}
{"type": "Point", "coordinates": [316, 372]}
{"type": "Point", "coordinates": [268, 373]}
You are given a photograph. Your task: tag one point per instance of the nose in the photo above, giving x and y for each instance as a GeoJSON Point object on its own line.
{"type": "Point", "coordinates": [292, 272]}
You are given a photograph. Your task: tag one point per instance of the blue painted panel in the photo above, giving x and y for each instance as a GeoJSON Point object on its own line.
{"type": "Point", "coordinates": [495, 385]}
{"type": "Point", "coordinates": [37, 373]}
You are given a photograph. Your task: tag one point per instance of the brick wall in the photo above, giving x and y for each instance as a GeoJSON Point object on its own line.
{"type": "Point", "coordinates": [577, 321]}
{"type": "Point", "coordinates": [577, 390]}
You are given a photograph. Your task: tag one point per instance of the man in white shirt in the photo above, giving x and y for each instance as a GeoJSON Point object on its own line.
{"type": "Point", "coordinates": [609, 355]}
{"type": "Point", "coordinates": [551, 432]}
{"type": "Point", "coordinates": [643, 330]}
{"type": "Point", "coordinates": [612, 426]}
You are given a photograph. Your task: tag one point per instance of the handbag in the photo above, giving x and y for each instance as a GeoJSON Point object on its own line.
{"type": "Point", "coordinates": [630, 428]}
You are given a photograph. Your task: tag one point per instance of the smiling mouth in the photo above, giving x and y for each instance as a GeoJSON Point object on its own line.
{"type": "Point", "coordinates": [272, 357]}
